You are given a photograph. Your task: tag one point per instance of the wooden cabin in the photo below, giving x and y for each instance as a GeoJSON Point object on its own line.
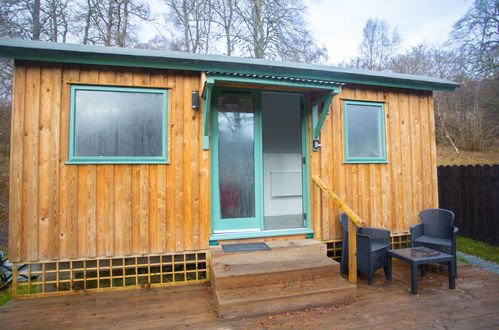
{"type": "Point", "coordinates": [126, 157]}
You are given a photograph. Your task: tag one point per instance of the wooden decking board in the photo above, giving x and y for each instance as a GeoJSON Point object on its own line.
{"type": "Point", "coordinates": [473, 304]}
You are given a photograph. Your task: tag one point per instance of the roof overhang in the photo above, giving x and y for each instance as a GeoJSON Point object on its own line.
{"type": "Point", "coordinates": [99, 55]}
{"type": "Point", "coordinates": [328, 88]}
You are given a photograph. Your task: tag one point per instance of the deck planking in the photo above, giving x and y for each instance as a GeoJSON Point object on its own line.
{"type": "Point", "coordinates": [473, 304]}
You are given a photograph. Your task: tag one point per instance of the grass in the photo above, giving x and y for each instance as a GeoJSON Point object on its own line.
{"type": "Point", "coordinates": [6, 294]}
{"type": "Point", "coordinates": [447, 156]}
{"type": "Point", "coordinates": [479, 249]}
{"type": "Point", "coordinates": [462, 259]}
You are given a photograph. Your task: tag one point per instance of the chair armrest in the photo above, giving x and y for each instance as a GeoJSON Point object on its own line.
{"type": "Point", "coordinates": [363, 244]}
{"type": "Point", "coordinates": [416, 231]}
{"type": "Point", "coordinates": [377, 234]}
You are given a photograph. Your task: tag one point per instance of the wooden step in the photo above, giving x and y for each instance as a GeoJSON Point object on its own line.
{"type": "Point", "coordinates": [257, 273]}
{"type": "Point", "coordinates": [293, 275]}
{"type": "Point", "coordinates": [280, 250]}
{"type": "Point", "coordinates": [283, 297]}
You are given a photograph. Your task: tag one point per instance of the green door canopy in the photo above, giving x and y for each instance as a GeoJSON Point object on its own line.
{"type": "Point", "coordinates": [324, 101]}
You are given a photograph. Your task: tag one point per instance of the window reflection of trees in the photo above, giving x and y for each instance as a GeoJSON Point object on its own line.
{"type": "Point", "coordinates": [112, 123]}
{"type": "Point", "coordinates": [236, 157]}
{"type": "Point", "coordinates": [364, 131]}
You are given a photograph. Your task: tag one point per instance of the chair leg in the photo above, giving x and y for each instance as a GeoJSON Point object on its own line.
{"type": "Point", "coordinates": [387, 273]}
{"type": "Point", "coordinates": [423, 270]}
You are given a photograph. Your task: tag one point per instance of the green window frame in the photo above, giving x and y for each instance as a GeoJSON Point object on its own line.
{"type": "Point", "coordinates": [375, 106]}
{"type": "Point", "coordinates": [74, 159]}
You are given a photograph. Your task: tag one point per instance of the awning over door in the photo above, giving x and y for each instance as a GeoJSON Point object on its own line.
{"type": "Point", "coordinates": [320, 105]}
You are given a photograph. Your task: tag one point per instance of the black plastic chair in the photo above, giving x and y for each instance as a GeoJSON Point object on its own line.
{"type": "Point", "coordinates": [437, 232]}
{"type": "Point", "coordinates": [372, 247]}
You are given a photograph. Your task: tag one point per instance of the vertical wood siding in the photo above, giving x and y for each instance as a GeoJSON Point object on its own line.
{"type": "Point", "coordinates": [60, 211]}
{"type": "Point", "coordinates": [63, 211]}
{"type": "Point", "coordinates": [384, 195]}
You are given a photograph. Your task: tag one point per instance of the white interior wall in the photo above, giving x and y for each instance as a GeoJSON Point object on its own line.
{"type": "Point", "coordinates": [282, 154]}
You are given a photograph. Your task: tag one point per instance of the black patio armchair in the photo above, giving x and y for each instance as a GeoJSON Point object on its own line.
{"type": "Point", "coordinates": [437, 232]}
{"type": "Point", "coordinates": [372, 247]}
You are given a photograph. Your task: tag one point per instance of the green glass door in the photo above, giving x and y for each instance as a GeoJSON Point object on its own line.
{"type": "Point", "coordinates": [236, 163]}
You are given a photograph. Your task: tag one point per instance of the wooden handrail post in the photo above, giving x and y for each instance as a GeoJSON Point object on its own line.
{"type": "Point", "coordinates": [317, 211]}
{"type": "Point", "coordinates": [352, 252]}
{"type": "Point", "coordinates": [354, 220]}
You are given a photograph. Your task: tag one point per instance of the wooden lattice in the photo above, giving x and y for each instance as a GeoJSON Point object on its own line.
{"type": "Point", "coordinates": [401, 241]}
{"type": "Point", "coordinates": [398, 241]}
{"type": "Point", "coordinates": [70, 276]}
{"type": "Point", "coordinates": [334, 249]}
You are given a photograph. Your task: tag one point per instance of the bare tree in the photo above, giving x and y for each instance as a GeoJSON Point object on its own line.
{"type": "Point", "coordinates": [228, 21]}
{"type": "Point", "coordinates": [111, 22]}
{"type": "Point", "coordinates": [477, 34]}
{"type": "Point", "coordinates": [379, 44]}
{"type": "Point", "coordinates": [193, 18]}
{"type": "Point", "coordinates": [426, 60]}
{"type": "Point", "coordinates": [276, 29]}
{"type": "Point", "coordinates": [36, 19]}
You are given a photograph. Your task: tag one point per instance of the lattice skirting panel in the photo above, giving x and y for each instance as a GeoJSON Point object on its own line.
{"type": "Point", "coordinates": [398, 241]}
{"type": "Point", "coordinates": [71, 276]}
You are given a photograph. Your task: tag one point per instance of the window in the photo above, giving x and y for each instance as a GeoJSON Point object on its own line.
{"type": "Point", "coordinates": [364, 132]}
{"type": "Point", "coordinates": [118, 125]}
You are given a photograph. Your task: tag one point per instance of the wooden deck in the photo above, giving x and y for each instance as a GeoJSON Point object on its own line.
{"type": "Point", "coordinates": [473, 304]}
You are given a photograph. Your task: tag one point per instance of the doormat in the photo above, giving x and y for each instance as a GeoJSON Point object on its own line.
{"type": "Point", "coordinates": [244, 247]}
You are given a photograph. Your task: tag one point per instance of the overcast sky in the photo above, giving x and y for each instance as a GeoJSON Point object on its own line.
{"type": "Point", "coordinates": [338, 24]}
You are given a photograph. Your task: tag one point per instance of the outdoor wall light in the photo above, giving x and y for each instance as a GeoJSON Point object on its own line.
{"type": "Point", "coordinates": [195, 100]}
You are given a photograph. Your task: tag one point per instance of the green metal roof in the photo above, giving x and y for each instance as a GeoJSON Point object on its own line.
{"type": "Point", "coordinates": [84, 54]}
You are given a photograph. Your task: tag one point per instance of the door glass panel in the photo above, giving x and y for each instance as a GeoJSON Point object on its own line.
{"type": "Point", "coordinates": [236, 157]}
{"type": "Point", "coordinates": [282, 161]}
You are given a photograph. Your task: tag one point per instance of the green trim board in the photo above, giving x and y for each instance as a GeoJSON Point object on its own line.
{"type": "Point", "coordinates": [73, 159]}
{"type": "Point", "coordinates": [272, 82]}
{"type": "Point", "coordinates": [318, 120]}
{"type": "Point", "coordinates": [207, 106]}
{"type": "Point", "coordinates": [214, 180]}
{"type": "Point", "coordinates": [234, 224]}
{"type": "Point", "coordinates": [265, 233]}
{"type": "Point", "coordinates": [99, 55]}
{"type": "Point", "coordinates": [332, 89]}
{"type": "Point", "coordinates": [380, 107]}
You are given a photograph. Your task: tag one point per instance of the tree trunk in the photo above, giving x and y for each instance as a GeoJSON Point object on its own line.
{"type": "Point", "coordinates": [88, 18]}
{"type": "Point", "coordinates": [37, 29]}
{"type": "Point", "coordinates": [258, 29]}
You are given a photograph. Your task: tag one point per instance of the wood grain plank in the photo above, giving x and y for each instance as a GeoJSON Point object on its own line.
{"type": "Point", "coordinates": [44, 138]}
{"type": "Point", "coordinates": [16, 163]}
{"type": "Point", "coordinates": [178, 144]}
{"type": "Point", "coordinates": [54, 179]}
{"type": "Point", "coordinates": [135, 230]}
{"type": "Point", "coordinates": [31, 169]}
{"type": "Point", "coordinates": [432, 152]}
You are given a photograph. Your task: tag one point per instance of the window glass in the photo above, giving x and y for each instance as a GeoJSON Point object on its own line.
{"type": "Point", "coordinates": [364, 132]}
{"type": "Point", "coordinates": [118, 124]}
{"type": "Point", "coordinates": [236, 157]}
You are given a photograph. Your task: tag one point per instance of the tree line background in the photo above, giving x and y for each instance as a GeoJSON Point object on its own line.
{"type": "Point", "coordinates": [277, 29]}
